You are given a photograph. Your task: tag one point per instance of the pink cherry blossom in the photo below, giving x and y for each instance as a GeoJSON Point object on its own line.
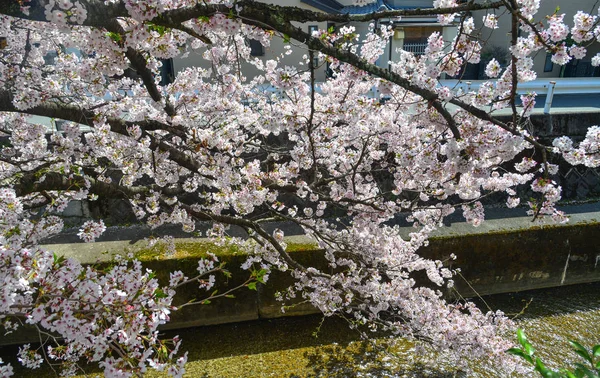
{"type": "Point", "coordinates": [239, 140]}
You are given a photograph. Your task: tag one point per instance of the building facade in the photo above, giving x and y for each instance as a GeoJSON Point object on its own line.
{"type": "Point", "coordinates": [410, 34]}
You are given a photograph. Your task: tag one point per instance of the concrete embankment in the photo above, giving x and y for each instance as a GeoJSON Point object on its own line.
{"type": "Point", "coordinates": [507, 253]}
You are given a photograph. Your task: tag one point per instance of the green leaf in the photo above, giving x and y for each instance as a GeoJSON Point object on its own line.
{"type": "Point", "coordinates": [163, 352]}
{"type": "Point", "coordinates": [114, 36]}
{"type": "Point", "coordinates": [286, 38]}
{"type": "Point", "coordinates": [331, 29]}
{"type": "Point", "coordinates": [230, 296]}
{"type": "Point", "coordinates": [205, 302]}
{"type": "Point", "coordinates": [579, 373]}
{"type": "Point", "coordinates": [539, 366]}
{"type": "Point", "coordinates": [529, 349]}
{"type": "Point", "coordinates": [515, 351]}
{"type": "Point", "coordinates": [544, 371]}
{"type": "Point", "coordinates": [13, 231]}
{"type": "Point", "coordinates": [522, 338]}
{"type": "Point", "coordinates": [260, 275]}
{"type": "Point", "coordinates": [161, 30]}
{"type": "Point", "coordinates": [252, 285]}
{"type": "Point", "coordinates": [520, 353]}
{"type": "Point", "coordinates": [585, 371]}
{"type": "Point", "coordinates": [580, 350]}
{"type": "Point", "coordinates": [596, 350]}
{"type": "Point", "coordinates": [57, 259]}
{"type": "Point", "coordinates": [159, 293]}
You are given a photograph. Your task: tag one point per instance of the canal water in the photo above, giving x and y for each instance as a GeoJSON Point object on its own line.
{"type": "Point", "coordinates": [315, 347]}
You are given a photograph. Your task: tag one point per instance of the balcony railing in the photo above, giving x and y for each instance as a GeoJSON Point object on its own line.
{"type": "Point", "coordinates": [415, 48]}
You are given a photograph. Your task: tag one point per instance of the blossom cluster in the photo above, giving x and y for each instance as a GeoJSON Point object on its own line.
{"type": "Point", "coordinates": [215, 145]}
{"type": "Point", "coordinates": [91, 230]}
{"type": "Point", "coordinates": [92, 310]}
{"type": "Point", "coordinates": [62, 11]}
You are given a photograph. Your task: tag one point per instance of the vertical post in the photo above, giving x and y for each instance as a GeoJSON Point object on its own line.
{"type": "Point", "coordinates": [549, 96]}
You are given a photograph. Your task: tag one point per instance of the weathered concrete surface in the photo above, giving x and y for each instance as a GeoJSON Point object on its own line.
{"type": "Point", "coordinates": [505, 254]}
{"type": "Point", "coordinates": [515, 254]}
{"type": "Point", "coordinates": [509, 261]}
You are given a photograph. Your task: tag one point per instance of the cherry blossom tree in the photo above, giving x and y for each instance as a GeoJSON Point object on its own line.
{"type": "Point", "coordinates": [214, 146]}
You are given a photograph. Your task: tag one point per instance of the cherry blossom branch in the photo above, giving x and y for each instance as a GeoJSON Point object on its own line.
{"type": "Point", "coordinates": [352, 59]}
{"type": "Point", "coordinates": [86, 117]}
{"type": "Point", "coordinates": [99, 11]}
{"type": "Point", "coordinates": [309, 124]}
{"type": "Point", "coordinates": [216, 296]}
{"type": "Point", "coordinates": [251, 225]}
{"type": "Point", "coordinates": [139, 64]}
{"type": "Point", "coordinates": [27, 48]}
{"type": "Point", "coordinates": [30, 183]}
{"type": "Point", "coordinates": [514, 30]}
{"type": "Point", "coordinates": [255, 13]}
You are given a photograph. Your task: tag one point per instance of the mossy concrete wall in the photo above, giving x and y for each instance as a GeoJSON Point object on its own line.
{"type": "Point", "coordinates": [503, 255]}
{"type": "Point", "coordinates": [517, 260]}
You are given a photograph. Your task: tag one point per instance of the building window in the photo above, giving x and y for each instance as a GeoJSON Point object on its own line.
{"type": "Point", "coordinates": [417, 48]}
{"type": "Point", "coordinates": [256, 48]}
{"type": "Point", "coordinates": [414, 38]}
{"type": "Point", "coordinates": [548, 65]}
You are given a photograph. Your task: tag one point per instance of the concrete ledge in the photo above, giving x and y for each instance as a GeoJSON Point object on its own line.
{"type": "Point", "coordinates": [507, 254]}
{"type": "Point", "coordinates": [525, 259]}
{"type": "Point", "coordinates": [515, 254]}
